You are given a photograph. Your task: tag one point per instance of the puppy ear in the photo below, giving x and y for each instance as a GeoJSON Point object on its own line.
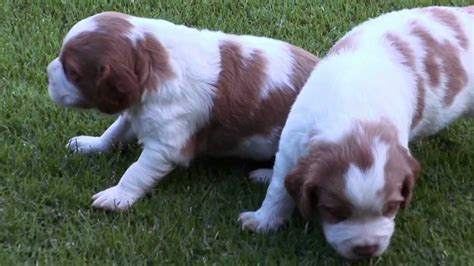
{"type": "Point", "coordinates": [409, 182]}
{"type": "Point", "coordinates": [302, 188]}
{"type": "Point", "coordinates": [117, 88]}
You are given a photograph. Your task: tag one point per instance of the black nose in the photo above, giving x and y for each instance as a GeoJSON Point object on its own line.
{"type": "Point", "coordinates": [365, 251]}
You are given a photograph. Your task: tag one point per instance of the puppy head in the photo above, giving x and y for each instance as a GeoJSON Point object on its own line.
{"type": "Point", "coordinates": [102, 65]}
{"type": "Point", "coordinates": [357, 186]}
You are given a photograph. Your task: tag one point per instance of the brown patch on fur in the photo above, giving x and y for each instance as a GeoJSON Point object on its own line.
{"type": "Point", "coordinates": [449, 19]}
{"type": "Point", "coordinates": [420, 101]}
{"type": "Point", "coordinates": [304, 63]}
{"type": "Point", "coordinates": [239, 110]}
{"type": "Point", "coordinates": [317, 182]}
{"type": "Point", "coordinates": [108, 69]}
{"type": "Point", "coordinates": [152, 63]}
{"type": "Point", "coordinates": [408, 55]}
{"type": "Point", "coordinates": [348, 42]}
{"type": "Point", "coordinates": [400, 171]}
{"type": "Point", "coordinates": [450, 65]}
{"type": "Point", "coordinates": [113, 22]}
{"type": "Point", "coordinates": [190, 147]}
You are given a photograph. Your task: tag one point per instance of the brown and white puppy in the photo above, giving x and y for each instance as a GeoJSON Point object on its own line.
{"type": "Point", "coordinates": [398, 77]}
{"type": "Point", "coordinates": [181, 91]}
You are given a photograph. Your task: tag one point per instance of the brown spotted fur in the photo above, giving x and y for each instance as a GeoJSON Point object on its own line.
{"type": "Point", "coordinates": [108, 69]}
{"type": "Point", "coordinates": [239, 110]}
{"type": "Point", "coordinates": [317, 182]}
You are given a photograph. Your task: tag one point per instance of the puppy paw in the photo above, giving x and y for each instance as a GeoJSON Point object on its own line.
{"type": "Point", "coordinates": [263, 175]}
{"type": "Point", "coordinates": [259, 222]}
{"type": "Point", "coordinates": [115, 199]}
{"type": "Point", "coordinates": [87, 145]}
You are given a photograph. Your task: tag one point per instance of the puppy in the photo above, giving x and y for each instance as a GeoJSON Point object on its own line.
{"type": "Point", "coordinates": [393, 79]}
{"type": "Point", "coordinates": [182, 92]}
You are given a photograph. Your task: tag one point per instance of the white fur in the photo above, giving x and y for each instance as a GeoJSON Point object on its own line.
{"type": "Point", "coordinates": [366, 83]}
{"type": "Point", "coordinates": [80, 27]}
{"type": "Point", "coordinates": [278, 74]}
{"type": "Point", "coordinates": [167, 116]}
{"type": "Point", "coordinates": [361, 190]}
{"type": "Point", "coordinates": [346, 235]}
{"type": "Point", "coordinates": [60, 89]}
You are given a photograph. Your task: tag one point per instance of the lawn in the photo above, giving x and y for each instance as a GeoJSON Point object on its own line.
{"type": "Point", "coordinates": [191, 217]}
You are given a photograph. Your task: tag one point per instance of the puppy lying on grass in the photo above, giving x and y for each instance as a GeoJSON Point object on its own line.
{"type": "Point", "coordinates": [344, 150]}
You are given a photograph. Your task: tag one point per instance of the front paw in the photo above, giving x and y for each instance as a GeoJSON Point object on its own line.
{"type": "Point", "coordinates": [87, 145]}
{"type": "Point", "coordinates": [258, 221]}
{"type": "Point", "coordinates": [115, 199]}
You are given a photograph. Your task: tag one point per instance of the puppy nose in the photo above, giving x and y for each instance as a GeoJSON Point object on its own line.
{"type": "Point", "coordinates": [365, 251]}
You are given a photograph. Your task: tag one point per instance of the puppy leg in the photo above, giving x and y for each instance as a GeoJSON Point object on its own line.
{"type": "Point", "coordinates": [120, 132]}
{"type": "Point", "coordinates": [263, 175]}
{"type": "Point", "coordinates": [140, 177]}
{"type": "Point", "coordinates": [277, 207]}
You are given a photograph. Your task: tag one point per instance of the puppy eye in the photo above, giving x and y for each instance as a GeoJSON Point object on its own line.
{"type": "Point", "coordinates": [391, 208]}
{"type": "Point", "coordinates": [335, 214]}
{"type": "Point", "coordinates": [70, 73]}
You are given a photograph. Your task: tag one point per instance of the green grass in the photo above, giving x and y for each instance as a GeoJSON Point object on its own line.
{"type": "Point", "coordinates": [190, 218]}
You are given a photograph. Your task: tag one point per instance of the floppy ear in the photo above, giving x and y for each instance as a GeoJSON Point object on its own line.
{"type": "Point", "coordinates": [409, 181]}
{"type": "Point", "coordinates": [302, 188]}
{"type": "Point", "coordinates": [117, 88]}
